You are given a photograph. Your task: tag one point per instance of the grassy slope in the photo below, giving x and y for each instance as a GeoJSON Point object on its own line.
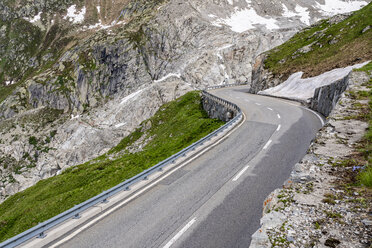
{"type": "Point", "coordinates": [365, 177]}
{"type": "Point", "coordinates": [353, 46]}
{"type": "Point", "coordinates": [175, 126]}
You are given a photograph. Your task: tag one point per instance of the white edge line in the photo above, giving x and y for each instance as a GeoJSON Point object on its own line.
{"type": "Point", "coordinates": [279, 127]}
{"type": "Point", "coordinates": [278, 116]}
{"type": "Point", "coordinates": [240, 173]}
{"type": "Point", "coordinates": [320, 118]}
{"type": "Point", "coordinates": [179, 234]}
{"type": "Point", "coordinates": [258, 104]}
{"type": "Point", "coordinates": [143, 189]}
{"type": "Point", "coordinates": [312, 111]}
{"type": "Point", "coordinates": [267, 144]}
{"type": "Point", "coordinates": [270, 109]}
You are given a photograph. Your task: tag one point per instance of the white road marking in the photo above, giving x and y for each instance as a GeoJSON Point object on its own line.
{"type": "Point", "coordinates": [258, 104]}
{"type": "Point", "coordinates": [279, 127]}
{"type": "Point", "coordinates": [179, 234]}
{"type": "Point", "coordinates": [320, 118]}
{"type": "Point", "coordinates": [247, 100]}
{"type": "Point", "coordinates": [125, 201]}
{"type": "Point", "coordinates": [312, 111]}
{"type": "Point", "coordinates": [267, 144]}
{"type": "Point", "coordinates": [240, 173]}
{"type": "Point", "coordinates": [270, 109]}
{"type": "Point", "coordinates": [278, 116]}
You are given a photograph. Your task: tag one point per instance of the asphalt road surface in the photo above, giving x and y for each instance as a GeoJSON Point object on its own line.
{"type": "Point", "coordinates": [216, 200]}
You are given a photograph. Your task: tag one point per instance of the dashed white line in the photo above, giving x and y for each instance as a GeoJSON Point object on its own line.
{"type": "Point", "coordinates": [314, 112]}
{"type": "Point", "coordinates": [267, 144]}
{"type": "Point", "coordinates": [240, 173]}
{"type": "Point", "coordinates": [279, 127]}
{"type": "Point", "coordinates": [143, 190]}
{"type": "Point", "coordinates": [270, 109]}
{"type": "Point", "coordinates": [278, 116]}
{"type": "Point", "coordinates": [258, 104]}
{"type": "Point", "coordinates": [179, 234]}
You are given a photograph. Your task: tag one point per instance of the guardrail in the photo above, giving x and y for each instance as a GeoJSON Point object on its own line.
{"type": "Point", "coordinates": [224, 86]}
{"type": "Point", "coordinates": [74, 212]}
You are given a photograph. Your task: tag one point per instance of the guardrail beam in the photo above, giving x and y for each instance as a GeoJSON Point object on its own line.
{"type": "Point", "coordinates": [38, 231]}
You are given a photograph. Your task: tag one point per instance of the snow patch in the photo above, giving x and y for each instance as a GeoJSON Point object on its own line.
{"type": "Point", "coordinates": [243, 20]}
{"type": "Point", "coordinates": [131, 96]}
{"type": "Point", "coordinates": [304, 13]}
{"type": "Point", "coordinates": [73, 117]}
{"type": "Point", "coordinates": [35, 18]}
{"type": "Point", "coordinates": [9, 82]}
{"type": "Point", "coordinates": [303, 89]}
{"type": "Point", "coordinates": [168, 76]}
{"type": "Point", "coordinates": [120, 124]}
{"type": "Point", "coordinates": [74, 16]}
{"type": "Point", "coordinates": [287, 12]}
{"type": "Point", "coordinates": [225, 47]}
{"type": "Point", "coordinates": [333, 7]}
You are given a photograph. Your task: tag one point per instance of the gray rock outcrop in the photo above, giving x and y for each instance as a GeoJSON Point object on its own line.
{"type": "Point", "coordinates": [326, 97]}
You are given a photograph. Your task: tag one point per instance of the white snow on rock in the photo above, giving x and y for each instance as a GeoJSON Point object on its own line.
{"type": "Point", "coordinates": [303, 89]}
{"type": "Point", "coordinates": [287, 12]}
{"type": "Point", "coordinates": [35, 18]}
{"type": "Point", "coordinates": [304, 13]}
{"type": "Point", "coordinates": [333, 7]}
{"type": "Point", "coordinates": [120, 124]}
{"type": "Point", "coordinates": [73, 117]}
{"type": "Point", "coordinates": [133, 95]}
{"type": "Point", "coordinates": [300, 11]}
{"type": "Point", "coordinates": [245, 19]}
{"type": "Point", "coordinates": [75, 16]}
{"type": "Point", "coordinates": [168, 76]}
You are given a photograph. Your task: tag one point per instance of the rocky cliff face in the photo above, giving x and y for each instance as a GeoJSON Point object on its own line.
{"type": "Point", "coordinates": [77, 76]}
{"type": "Point", "coordinates": [337, 42]}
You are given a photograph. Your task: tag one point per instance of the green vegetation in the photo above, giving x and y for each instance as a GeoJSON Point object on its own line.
{"type": "Point", "coordinates": [5, 91]}
{"type": "Point", "coordinates": [365, 146]}
{"type": "Point", "coordinates": [328, 46]}
{"type": "Point", "coordinates": [87, 61]}
{"type": "Point", "coordinates": [365, 177]}
{"type": "Point", "coordinates": [175, 126]}
{"type": "Point", "coordinates": [333, 215]}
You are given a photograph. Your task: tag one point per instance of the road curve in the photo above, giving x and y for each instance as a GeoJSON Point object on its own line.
{"type": "Point", "coordinates": [215, 200]}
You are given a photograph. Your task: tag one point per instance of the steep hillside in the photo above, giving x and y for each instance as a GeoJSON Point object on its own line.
{"type": "Point", "coordinates": [175, 126]}
{"type": "Point", "coordinates": [337, 42]}
{"type": "Point", "coordinates": [78, 76]}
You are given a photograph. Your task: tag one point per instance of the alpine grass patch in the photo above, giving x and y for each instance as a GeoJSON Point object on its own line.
{"type": "Point", "coordinates": [175, 126]}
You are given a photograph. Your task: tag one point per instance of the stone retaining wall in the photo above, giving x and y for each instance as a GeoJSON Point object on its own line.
{"type": "Point", "coordinates": [218, 108]}
{"type": "Point", "coordinates": [325, 98]}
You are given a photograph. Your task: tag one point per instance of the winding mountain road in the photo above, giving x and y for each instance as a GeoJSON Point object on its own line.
{"type": "Point", "coordinates": [216, 199]}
